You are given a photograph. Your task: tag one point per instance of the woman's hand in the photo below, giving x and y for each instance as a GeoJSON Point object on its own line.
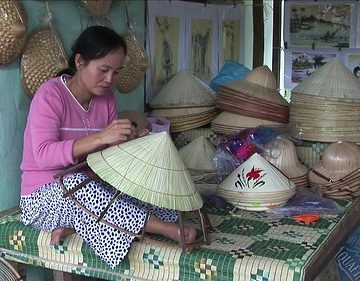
{"type": "Point", "coordinates": [117, 131]}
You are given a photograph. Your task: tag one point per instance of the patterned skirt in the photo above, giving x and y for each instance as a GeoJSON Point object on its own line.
{"type": "Point", "coordinates": [47, 209]}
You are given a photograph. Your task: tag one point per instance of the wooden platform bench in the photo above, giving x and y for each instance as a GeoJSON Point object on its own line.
{"type": "Point", "coordinates": [244, 246]}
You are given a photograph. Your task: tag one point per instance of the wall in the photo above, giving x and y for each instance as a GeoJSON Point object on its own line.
{"type": "Point", "coordinates": [69, 19]}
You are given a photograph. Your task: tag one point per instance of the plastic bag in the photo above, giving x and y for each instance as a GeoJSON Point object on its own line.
{"type": "Point", "coordinates": [308, 201]}
{"type": "Point", "coordinates": [158, 124]}
{"type": "Point", "coordinates": [231, 71]}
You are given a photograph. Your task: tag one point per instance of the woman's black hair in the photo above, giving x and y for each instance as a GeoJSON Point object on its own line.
{"type": "Point", "coordinates": [95, 42]}
{"type": "Point", "coordinates": [356, 69]}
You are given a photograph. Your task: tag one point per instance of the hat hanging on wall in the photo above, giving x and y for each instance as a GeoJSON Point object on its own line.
{"type": "Point", "coordinates": [135, 64]}
{"type": "Point", "coordinates": [13, 34]}
{"type": "Point", "coordinates": [43, 57]}
{"type": "Point", "coordinates": [150, 170]}
{"type": "Point", "coordinates": [96, 8]}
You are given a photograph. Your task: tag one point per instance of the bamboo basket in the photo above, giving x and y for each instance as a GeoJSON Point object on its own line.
{"type": "Point", "coordinates": [13, 35]}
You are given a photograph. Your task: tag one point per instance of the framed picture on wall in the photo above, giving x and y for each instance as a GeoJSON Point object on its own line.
{"type": "Point", "coordinates": [301, 64]}
{"type": "Point", "coordinates": [351, 59]}
{"type": "Point", "coordinates": [320, 24]}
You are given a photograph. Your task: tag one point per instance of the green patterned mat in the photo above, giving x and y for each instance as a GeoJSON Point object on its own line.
{"type": "Point", "coordinates": [244, 246]}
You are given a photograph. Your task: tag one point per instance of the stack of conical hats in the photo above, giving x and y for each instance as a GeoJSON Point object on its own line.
{"type": "Point", "coordinates": [338, 173]}
{"type": "Point", "coordinates": [186, 101]}
{"type": "Point", "coordinates": [281, 152]}
{"type": "Point", "coordinates": [325, 107]}
{"type": "Point", "coordinates": [251, 102]}
{"type": "Point", "coordinates": [198, 158]}
{"type": "Point", "coordinates": [256, 185]}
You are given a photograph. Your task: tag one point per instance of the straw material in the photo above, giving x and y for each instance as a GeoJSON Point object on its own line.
{"type": "Point", "coordinates": [12, 30]}
{"type": "Point", "coordinates": [184, 90]}
{"type": "Point", "coordinates": [96, 8]}
{"type": "Point", "coordinates": [282, 154]}
{"type": "Point", "coordinates": [149, 169]}
{"type": "Point", "coordinates": [198, 155]}
{"type": "Point", "coordinates": [333, 81]}
{"type": "Point", "coordinates": [134, 66]}
{"type": "Point", "coordinates": [339, 160]}
{"type": "Point", "coordinates": [42, 59]}
{"type": "Point", "coordinates": [256, 175]}
{"type": "Point", "coordinates": [260, 83]}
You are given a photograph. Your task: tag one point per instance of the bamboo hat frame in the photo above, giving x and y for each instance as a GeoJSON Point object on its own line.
{"type": "Point", "coordinates": [150, 170]}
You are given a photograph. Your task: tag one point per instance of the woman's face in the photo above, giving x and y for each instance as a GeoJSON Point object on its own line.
{"type": "Point", "coordinates": [98, 75]}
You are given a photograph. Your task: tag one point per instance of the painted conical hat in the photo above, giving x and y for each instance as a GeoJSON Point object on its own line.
{"type": "Point", "coordinates": [333, 80]}
{"type": "Point", "coordinates": [256, 175]}
{"type": "Point", "coordinates": [198, 155]}
{"type": "Point", "coordinates": [184, 90]}
{"type": "Point", "coordinates": [13, 35]}
{"type": "Point", "coordinates": [149, 169]}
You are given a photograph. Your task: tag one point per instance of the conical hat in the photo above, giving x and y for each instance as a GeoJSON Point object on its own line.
{"type": "Point", "coordinates": [149, 169]}
{"type": "Point", "coordinates": [184, 90]}
{"type": "Point", "coordinates": [333, 80]}
{"type": "Point", "coordinates": [256, 175]}
{"type": "Point", "coordinates": [259, 83]}
{"type": "Point", "coordinates": [198, 155]}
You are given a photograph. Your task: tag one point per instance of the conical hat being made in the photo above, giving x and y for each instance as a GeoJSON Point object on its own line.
{"type": "Point", "coordinates": [198, 155]}
{"type": "Point", "coordinates": [282, 154]}
{"type": "Point", "coordinates": [259, 83]}
{"type": "Point", "coordinates": [333, 80]}
{"type": "Point", "coordinates": [13, 34]}
{"type": "Point", "coordinates": [184, 90]}
{"type": "Point", "coordinates": [149, 169]}
{"type": "Point", "coordinates": [339, 159]}
{"type": "Point", "coordinates": [256, 175]}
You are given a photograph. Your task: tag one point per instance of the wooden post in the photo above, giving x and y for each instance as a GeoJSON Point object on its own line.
{"type": "Point", "coordinates": [258, 41]}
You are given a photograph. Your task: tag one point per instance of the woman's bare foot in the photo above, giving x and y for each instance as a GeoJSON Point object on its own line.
{"type": "Point", "coordinates": [172, 230]}
{"type": "Point", "coordinates": [59, 233]}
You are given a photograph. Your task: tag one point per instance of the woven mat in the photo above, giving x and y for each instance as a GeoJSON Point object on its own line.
{"type": "Point", "coordinates": [245, 246]}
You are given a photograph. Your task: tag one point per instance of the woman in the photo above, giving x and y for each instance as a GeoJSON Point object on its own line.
{"type": "Point", "coordinates": [71, 116]}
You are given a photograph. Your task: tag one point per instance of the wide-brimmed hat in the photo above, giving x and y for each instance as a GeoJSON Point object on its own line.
{"type": "Point", "coordinates": [281, 152]}
{"type": "Point", "coordinates": [149, 169]}
{"type": "Point", "coordinates": [333, 81]}
{"type": "Point", "coordinates": [184, 90]}
{"type": "Point", "coordinates": [259, 83]}
{"type": "Point", "coordinates": [339, 160]}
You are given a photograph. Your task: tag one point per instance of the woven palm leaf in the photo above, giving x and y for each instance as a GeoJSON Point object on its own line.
{"type": "Point", "coordinates": [333, 80]}
{"type": "Point", "coordinates": [134, 66]}
{"type": "Point", "coordinates": [13, 35]}
{"type": "Point", "coordinates": [184, 90]}
{"type": "Point", "coordinates": [96, 8]}
{"type": "Point", "coordinates": [8, 272]}
{"type": "Point", "coordinates": [149, 169]}
{"type": "Point", "coordinates": [42, 59]}
{"type": "Point", "coordinates": [198, 155]}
